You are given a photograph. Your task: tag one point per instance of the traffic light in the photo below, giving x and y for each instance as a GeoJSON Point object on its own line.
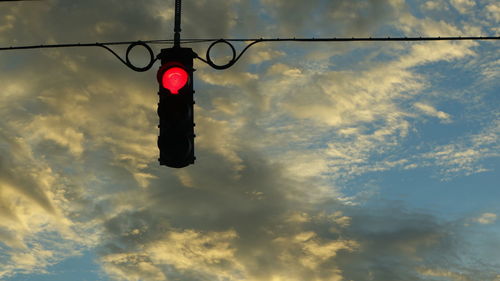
{"type": "Point", "coordinates": [175, 109]}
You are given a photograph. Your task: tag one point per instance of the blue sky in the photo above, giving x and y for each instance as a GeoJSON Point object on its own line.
{"type": "Point", "coordinates": [315, 161]}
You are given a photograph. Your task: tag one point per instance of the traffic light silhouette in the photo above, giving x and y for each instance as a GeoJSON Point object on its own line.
{"type": "Point", "coordinates": [175, 109]}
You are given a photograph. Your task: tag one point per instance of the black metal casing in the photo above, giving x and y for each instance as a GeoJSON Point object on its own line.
{"type": "Point", "coordinates": [176, 128]}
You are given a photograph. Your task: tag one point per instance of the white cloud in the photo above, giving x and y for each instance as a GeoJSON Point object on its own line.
{"type": "Point", "coordinates": [486, 218]}
{"type": "Point", "coordinates": [208, 253]}
{"type": "Point", "coordinates": [259, 56]}
{"type": "Point", "coordinates": [188, 250]}
{"type": "Point", "coordinates": [219, 137]}
{"type": "Point", "coordinates": [494, 11]}
{"type": "Point", "coordinates": [50, 128]}
{"type": "Point", "coordinates": [315, 252]}
{"type": "Point", "coordinates": [431, 111]}
{"type": "Point", "coordinates": [463, 6]}
{"type": "Point", "coordinates": [232, 79]}
{"type": "Point", "coordinates": [464, 156]}
{"type": "Point", "coordinates": [285, 70]}
{"type": "Point", "coordinates": [435, 5]}
{"type": "Point", "coordinates": [131, 267]}
{"type": "Point", "coordinates": [444, 273]}
{"type": "Point", "coordinates": [33, 211]}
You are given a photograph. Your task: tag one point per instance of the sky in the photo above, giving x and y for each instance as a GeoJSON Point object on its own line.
{"type": "Point", "coordinates": [374, 161]}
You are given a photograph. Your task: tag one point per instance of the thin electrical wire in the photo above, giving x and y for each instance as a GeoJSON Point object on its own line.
{"type": "Point", "coordinates": [96, 44]}
{"type": "Point", "coordinates": [205, 40]}
{"type": "Point", "coordinates": [252, 41]}
{"type": "Point", "coordinates": [361, 39]}
{"type": "Point", "coordinates": [235, 57]}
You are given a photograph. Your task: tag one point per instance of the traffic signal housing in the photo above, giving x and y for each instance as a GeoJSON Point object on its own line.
{"type": "Point", "coordinates": [175, 109]}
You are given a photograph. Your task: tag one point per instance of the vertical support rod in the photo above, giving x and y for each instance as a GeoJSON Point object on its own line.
{"type": "Point", "coordinates": [177, 28]}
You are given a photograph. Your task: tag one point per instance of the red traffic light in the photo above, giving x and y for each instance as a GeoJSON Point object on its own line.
{"type": "Point", "coordinates": [174, 79]}
{"type": "Point", "coordinates": [175, 108]}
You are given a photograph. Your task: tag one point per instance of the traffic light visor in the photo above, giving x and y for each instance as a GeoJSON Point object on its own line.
{"type": "Point", "coordinates": [174, 79]}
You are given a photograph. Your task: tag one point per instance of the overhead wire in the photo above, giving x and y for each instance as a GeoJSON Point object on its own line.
{"type": "Point", "coordinates": [290, 39]}
{"type": "Point", "coordinates": [235, 58]}
{"type": "Point", "coordinates": [177, 41]}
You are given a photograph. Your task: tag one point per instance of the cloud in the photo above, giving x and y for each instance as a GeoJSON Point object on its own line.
{"type": "Point", "coordinates": [217, 224]}
{"type": "Point", "coordinates": [131, 267]}
{"type": "Point", "coordinates": [486, 218]}
{"type": "Point", "coordinates": [268, 237]}
{"type": "Point", "coordinates": [493, 11]}
{"type": "Point", "coordinates": [276, 142]}
{"type": "Point", "coordinates": [463, 6]}
{"type": "Point", "coordinates": [465, 155]}
{"type": "Point", "coordinates": [342, 17]}
{"type": "Point", "coordinates": [431, 111]}
{"type": "Point", "coordinates": [444, 273]}
{"type": "Point", "coordinates": [34, 228]}
{"type": "Point", "coordinates": [234, 79]}
{"type": "Point", "coordinates": [435, 5]}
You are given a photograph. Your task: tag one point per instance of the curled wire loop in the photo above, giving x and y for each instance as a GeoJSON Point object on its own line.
{"type": "Point", "coordinates": [127, 62]}
{"type": "Point", "coordinates": [234, 58]}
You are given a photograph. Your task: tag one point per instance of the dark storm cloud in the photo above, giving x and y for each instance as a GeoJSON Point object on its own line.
{"type": "Point", "coordinates": [271, 228]}
{"type": "Point", "coordinates": [217, 201]}
{"type": "Point", "coordinates": [255, 204]}
{"type": "Point", "coordinates": [395, 243]}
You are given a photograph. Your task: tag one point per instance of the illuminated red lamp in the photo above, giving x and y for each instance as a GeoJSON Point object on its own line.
{"type": "Point", "coordinates": [174, 79]}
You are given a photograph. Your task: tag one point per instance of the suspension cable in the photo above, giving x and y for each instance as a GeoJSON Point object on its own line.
{"type": "Point", "coordinates": [235, 58]}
